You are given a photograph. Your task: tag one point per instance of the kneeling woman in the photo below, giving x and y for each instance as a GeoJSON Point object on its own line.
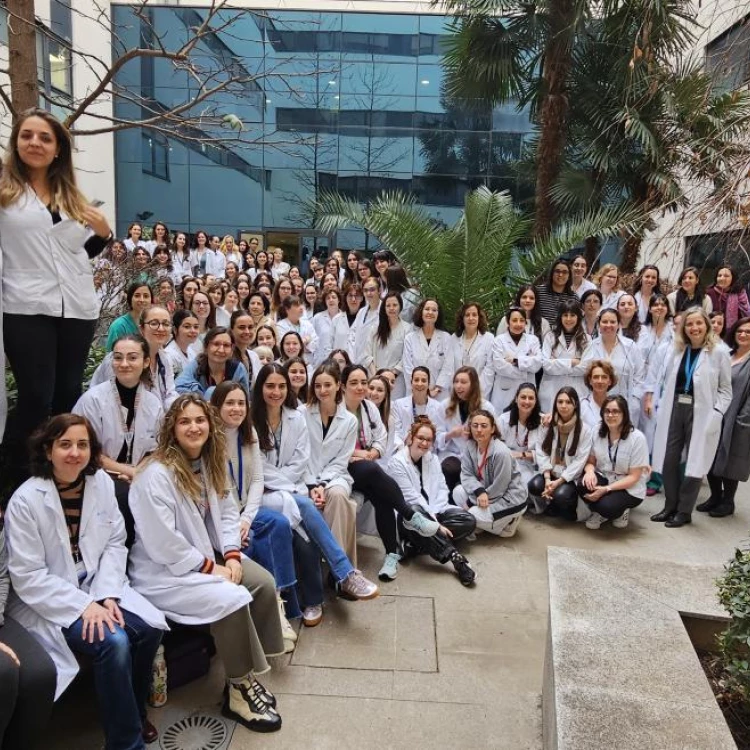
{"type": "Point", "coordinates": [416, 470]}
{"type": "Point", "coordinates": [614, 480]}
{"type": "Point", "coordinates": [75, 597]}
{"type": "Point", "coordinates": [492, 488]}
{"type": "Point", "coordinates": [186, 558]}
{"type": "Point", "coordinates": [561, 457]}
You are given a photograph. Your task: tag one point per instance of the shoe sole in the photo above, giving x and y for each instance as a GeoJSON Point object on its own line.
{"type": "Point", "coordinates": [352, 598]}
{"type": "Point", "coordinates": [387, 578]}
{"type": "Point", "coordinates": [312, 623]}
{"type": "Point", "coordinates": [255, 725]}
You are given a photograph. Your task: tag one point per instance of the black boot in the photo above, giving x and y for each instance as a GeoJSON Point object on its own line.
{"type": "Point", "coordinates": [677, 520]}
{"type": "Point", "coordinates": [710, 504]}
{"type": "Point", "coordinates": [724, 508]}
{"type": "Point", "coordinates": [663, 515]}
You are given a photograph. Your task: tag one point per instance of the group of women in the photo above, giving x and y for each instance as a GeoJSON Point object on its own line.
{"type": "Point", "coordinates": [246, 420]}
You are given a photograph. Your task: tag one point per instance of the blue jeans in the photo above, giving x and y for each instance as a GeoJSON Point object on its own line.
{"type": "Point", "coordinates": [317, 529]}
{"type": "Point", "coordinates": [122, 675]}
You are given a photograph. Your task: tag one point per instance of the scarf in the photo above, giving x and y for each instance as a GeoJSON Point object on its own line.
{"type": "Point", "coordinates": [563, 431]}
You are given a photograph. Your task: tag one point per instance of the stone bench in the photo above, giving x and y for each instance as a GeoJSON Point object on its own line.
{"type": "Point", "coordinates": [620, 668]}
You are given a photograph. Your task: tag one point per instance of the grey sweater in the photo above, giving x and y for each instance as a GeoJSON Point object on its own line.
{"type": "Point", "coordinates": [501, 479]}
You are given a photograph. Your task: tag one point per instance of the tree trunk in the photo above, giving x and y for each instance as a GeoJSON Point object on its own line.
{"type": "Point", "coordinates": [553, 112]}
{"type": "Point", "coordinates": [22, 55]}
{"type": "Point", "coordinates": [630, 252]}
{"type": "Point", "coordinates": [591, 250]}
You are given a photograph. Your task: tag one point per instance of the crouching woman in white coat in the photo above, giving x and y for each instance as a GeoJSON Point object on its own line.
{"type": "Point", "coordinates": [697, 391]}
{"type": "Point", "coordinates": [418, 474]}
{"type": "Point", "coordinates": [67, 560]}
{"type": "Point", "coordinates": [186, 558]}
{"type": "Point", "coordinates": [492, 488]}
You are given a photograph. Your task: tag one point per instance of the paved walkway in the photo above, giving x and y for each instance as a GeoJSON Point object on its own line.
{"type": "Point", "coordinates": [429, 663]}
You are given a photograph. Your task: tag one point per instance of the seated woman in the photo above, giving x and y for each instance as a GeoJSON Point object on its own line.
{"type": "Point", "coordinates": [379, 392]}
{"type": "Point", "coordinates": [285, 445]}
{"type": "Point", "coordinates": [138, 297]}
{"type": "Point", "coordinates": [416, 470]}
{"type": "Point", "coordinates": [265, 535]}
{"type": "Point", "coordinates": [213, 366]}
{"type": "Point", "coordinates": [333, 435]}
{"type": "Point", "coordinates": [265, 335]}
{"type": "Point", "coordinates": [520, 428]}
{"type": "Point", "coordinates": [561, 457]}
{"type": "Point", "coordinates": [418, 404]}
{"type": "Point", "coordinates": [369, 477]}
{"type": "Point", "coordinates": [614, 480]}
{"type": "Point", "coordinates": [75, 597]}
{"type": "Point", "coordinates": [27, 675]}
{"type": "Point", "coordinates": [453, 422]}
{"type": "Point", "coordinates": [298, 371]}
{"type": "Point", "coordinates": [492, 488]}
{"type": "Point", "coordinates": [185, 329]}
{"type": "Point", "coordinates": [186, 558]}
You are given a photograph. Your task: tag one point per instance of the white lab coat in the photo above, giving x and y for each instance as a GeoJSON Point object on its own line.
{"type": "Point", "coordinates": [452, 446]}
{"type": "Point", "coordinates": [215, 263]}
{"type": "Point", "coordinates": [365, 322]}
{"type": "Point", "coordinates": [45, 269]}
{"type": "Point", "coordinates": [573, 465]}
{"type": "Point", "coordinates": [585, 286]}
{"type": "Point", "coordinates": [404, 410]}
{"type": "Point", "coordinates": [375, 434]}
{"type": "Point", "coordinates": [172, 542]}
{"type": "Point", "coordinates": [46, 596]}
{"type": "Point", "coordinates": [342, 334]}
{"type": "Point", "coordinates": [176, 358]}
{"type": "Point", "coordinates": [712, 394]}
{"type": "Point", "coordinates": [406, 474]}
{"type": "Point", "coordinates": [558, 370]}
{"type": "Point", "coordinates": [478, 356]}
{"type": "Point", "coordinates": [182, 265]}
{"type": "Point", "coordinates": [656, 354]}
{"type": "Point", "coordinates": [330, 456]}
{"type": "Point", "coordinates": [610, 300]}
{"type": "Point", "coordinates": [508, 377]}
{"type": "Point", "coordinates": [388, 357]}
{"type": "Point", "coordinates": [518, 439]}
{"type": "Point", "coordinates": [323, 324]}
{"type": "Point", "coordinates": [3, 394]}
{"type": "Point", "coordinates": [99, 405]}
{"type": "Point", "coordinates": [435, 356]}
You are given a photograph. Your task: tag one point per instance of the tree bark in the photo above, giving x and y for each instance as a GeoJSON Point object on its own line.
{"type": "Point", "coordinates": [22, 55]}
{"type": "Point", "coordinates": [631, 249]}
{"type": "Point", "coordinates": [553, 111]}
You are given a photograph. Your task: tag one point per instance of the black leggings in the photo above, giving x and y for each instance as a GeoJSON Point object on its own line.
{"type": "Point", "coordinates": [564, 498]}
{"type": "Point", "coordinates": [385, 496]}
{"type": "Point", "coordinates": [26, 694]}
{"type": "Point", "coordinates": [613, 504]}
{"type": "Point", "coordinates": [47, 356]}
{"type": "Point", "coordinates": [438, 547]}
{"type": "Point", "coordinates": [722, 489]}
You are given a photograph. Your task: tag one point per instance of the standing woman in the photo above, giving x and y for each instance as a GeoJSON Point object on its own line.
{"type": "Point", "coordinates": [608, 280]}
{"type": "Point", "coordinates": [185, 329]}
{"type": "Point", "coordinates": [492, 487]}
{"type": "Point", "coordinates": [526, 299]}
{"type": "Point", "coordinates": [242, 286]}
{"type": "Point", "coordinates": [591, 303]}
{"type": "Point", "coordinates": [342, 328]}
{"type": "Point", "coordinates": [385, 349]}
{"type": "Point", "coordinates": [731, 465]}
{"type": "Point", "coordinates": [600, 378]}
{"type": "Point", "coordinates": [138, 298]}
{"type": "Point", "coordinates": [516, 358]}
{"type": "Point", "coordinates": [397, 281]}
{"type": "Point", "coordinates": [520, 426]}
{"type": "Point", "coordinates": [133, 239]}
{"type": "Point", "coordinates": [690, 293]}
{"type": "Point", "coordinates": [429, 344]}
{"type": "Point", "coordinates": [350, 272]}
{"type": "Point", "coordinates": [186, 559]}
{"type": "Point", "coordinates": [281, 290]}
{"type": "Point", "coordinates": [728, 296]}
{"type": "Point", "coordinates": [159, 236]}
{"type": "Point", "coordinates": [557, 289]}
{"type": "Point", "coordinates": [647, 283]}
{"type": "Point", "coordinates": [630, 323]}
{"type": "Point", "coordinates": [323, 323]}
{"type": "Point", "coordinates": [561, 457]}
{"type": "Point", "coordinates": [67, 561]}
{"type": "Point", "coordinates": [366, 321]}
{"type": "Point", "coordinates": [200, 253]}
{"type": "Point", "coordinates": [472, 344]}
{"type": "Point", "coordinates": [419, 403]}
{"type": "Point", "coordinates": [243, 329]}
{"type": "Point", "coordinates": [260, 309]}
{"type": "Point", "coordinates": [697, 391]}
{"type": "Point", "coordinates": [562, 354]}
{"type": "Point", "coordinates": [310, 300]}
{"type": "Point", "coordinates": [181, 257]}
{"type": "Point", "coordinates": [579, 283]}
{"type": "Point", "coordinates": [291, 318]}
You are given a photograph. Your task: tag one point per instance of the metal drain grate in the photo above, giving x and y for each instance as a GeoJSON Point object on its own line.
{"type": "Point", "coordinates": [195, 733]}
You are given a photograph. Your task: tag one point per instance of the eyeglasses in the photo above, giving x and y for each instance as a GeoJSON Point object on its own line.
{"type": "Point", "coordinates": [561, 272]}
{"type": "Point", "coordinates": [155, 325]}
{"type": "Point", "coordinates": [743, 331]}
{"type": "Point", "coordinates": [201, 303]}
{"type": "Point", "coordinates": [426, 440]}
{"type": "Point", "coordinates": [611, 412]}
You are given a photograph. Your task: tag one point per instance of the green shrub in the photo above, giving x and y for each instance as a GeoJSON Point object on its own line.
{"type": "Point", "coordinates": [734, 642]}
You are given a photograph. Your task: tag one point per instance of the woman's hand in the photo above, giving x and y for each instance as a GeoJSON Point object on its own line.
{"type": "Point", "coordinates": [435, 391]}
{"type": "Point", "coordinates": [318, 496]}
{"type": "Point", "coordinates": [10, 653]}
{"type": "Point", "coordinates": [595, 495]}
{"type": "Point", "coordinates": [97, 221]}
{"type": "Point", "coordinates": [551, 485]}
{"type": "Point", "coordinates": [546, 419]}
{"type": "Point", "coordinates": [458, 431]}
{"type": "Point", "coordinates": [235, 570]}
{"type": "Point", "coordinates": [590, 481]}
{"type": "Point", "coordinates": [648, 404]}
{"type": "Point", "coordinates": [222, 571]}
{"type": "Point", "coordinates": [445, 531]}
{"type": "Point", "coordinates": [113, 608]}
{"type": "Point", "coordinates": [95, 617]}
{"type": "Point", "coordinates": [244, 531]}
{"type": "Point", "coordinates": [483, 500]}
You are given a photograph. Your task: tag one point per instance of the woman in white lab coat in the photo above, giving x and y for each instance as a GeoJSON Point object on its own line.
{"type": "Point", "coordinates": [520, 428]}
{"type": "Point", "coordinates": [472, 345]}
{"type": "Point", "coordinates": [429, 345]}
{"type": "Point", "coordinates": [385, 348]}
{"type": "Point", "coordinates": [323, 323]}
{"type": "Point", "coordinates": [186, 558]}
{"type": "Point", "coordinates": [419, 403]}
{"type": "Point", "coordinates": [516, 358]}
{"type": "Point", "coordinates": [242, 326]}
{"type": "Point", "coordinates": [185, 330]}
{"type": "Point", "coordinates": [366, 320]}
{"type": "Point", "coordinates": [342, 329]}
{"type": "Point", "coordinates": [67, 560]}
{"type": "Point", "coordinates": [379, 392]}
{"type": "Point", "coordinates": [291, 318]}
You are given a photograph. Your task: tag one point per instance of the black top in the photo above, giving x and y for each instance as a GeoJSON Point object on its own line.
{"type": "Point", "coordinates": [679, 386]}
{"type": "Point", "coordinates": [93, 245]}
{"type": "Point", "coordinates": [418, 464]}
{"type": "Point", "coordinates": [463, 411]}
{"type": "Point", "coordinates": [548, 301]}
{"type": "Point", "coordinates": [127, 399]}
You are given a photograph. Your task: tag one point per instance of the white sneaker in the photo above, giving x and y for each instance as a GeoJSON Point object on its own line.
{"type": "Point", "coordinates": [311, 616]}
{"type": "Point", "coordinates": [289, 633]}
{"type": "Point", "coordinates": [622, 521]}
{"type": "Point", "coordinates": [511, 528]}
{"type": "Point", "coordinates": [595, 521]}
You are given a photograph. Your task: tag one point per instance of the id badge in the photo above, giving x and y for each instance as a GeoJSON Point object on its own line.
{"type": "Point", "coordinates": [684, 398]}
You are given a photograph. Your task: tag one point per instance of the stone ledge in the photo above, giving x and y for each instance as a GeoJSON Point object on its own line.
{"type": "Point", "coordinates": [620, 669]}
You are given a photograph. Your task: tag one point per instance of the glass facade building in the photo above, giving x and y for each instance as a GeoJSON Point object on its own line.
{"type": "Point", "coordinates": [347, 101]}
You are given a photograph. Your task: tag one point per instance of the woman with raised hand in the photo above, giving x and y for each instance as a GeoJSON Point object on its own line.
{"type": "Point", "coordinates": [516, 358]}
{"type": "Point", "coordinates": [419, 403]}
{"type": "Point", "coordinates": [492, 487]}
{"type": "Point", "coordinates": [429, 345]}
{"type": "Point", "coordinates": [185, 330]}
{"type": "Point", "coordinates": [697, 392]}
{"type": "Point", "coordinates": [323, 323]}
{"type": "Point", "coordinates": [472, 344]}
{"type": "Point", "coordinates": [369, 476]}
{"type": "Point", "coordinates": [417, 473]}
{"type": "Point", "coordinates": [600, 378]}
{"type": "Point", "coordinates": [520, 428]}
{"type": "Point", "coordinates": [646, 285]}
{"type": "Point", "coordinates": [608, 280]}
{"type": "Point", "coordinates": [614, 480]}
{"type": "Point", "coordinates": [186, 559]}
{"type": "Point", "coordinates": [562, 354]}
{"type": "Point", "coordinates": [728, 296]}
{"type": "Point", "coordinates": [385, 349]}
{"type": "Point", "coordinates": [690, 293]}
{"type": "Point", "coordinates": [561, 456]}
{"type": "Point", "coordinates": [67, 561]}
{"type": "Point", "coordinates": [366, 320]}
{"type": "Point", "coordinates": [138, 297]}
{"type": "Point", "coordinates": [557, 289]}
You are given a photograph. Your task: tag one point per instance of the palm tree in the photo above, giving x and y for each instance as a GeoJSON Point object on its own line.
{"type": "Point", "coordinates": [483, 257]}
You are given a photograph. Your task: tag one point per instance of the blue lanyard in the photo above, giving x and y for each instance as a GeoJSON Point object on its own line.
{"type": "Point", "coordinates": [690, 368]}
{"type": "Point", "coordinates": [237, 484]}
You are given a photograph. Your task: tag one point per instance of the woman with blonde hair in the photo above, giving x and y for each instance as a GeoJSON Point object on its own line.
{"type": "Point", "coordinates": [608, 281]}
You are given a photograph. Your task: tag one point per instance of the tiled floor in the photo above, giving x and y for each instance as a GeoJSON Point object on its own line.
{"type": "Point", "coordinates": [428, 664]}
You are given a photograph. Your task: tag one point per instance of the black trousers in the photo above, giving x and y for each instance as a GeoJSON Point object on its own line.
{"type": "Point", "coordinates": [564, 498]}
{"type": "Point", "coordinates": [47, 356]}
{"type": "Point", "coordinates": [439, 547]}
{"type": "Point", "coordinates": [613, 504]}
{"type": "Point", "coordinates": [722, 489]}
{"type": "Point", "coordinates": [385, 495]}
{"type": "Point", "coordinates": [26, 694]}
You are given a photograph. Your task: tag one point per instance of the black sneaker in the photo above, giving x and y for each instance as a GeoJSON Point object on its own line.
{"type": "Point", "coordinates": [245, 706]}
{"type": "Point", "coordinates": [465, 572]}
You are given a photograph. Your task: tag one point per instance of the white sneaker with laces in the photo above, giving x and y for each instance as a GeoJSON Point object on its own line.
{"type": "Point", "coordinates": [289, 633]}
{"type": "Point", "coordinates": [623, 520]}
{"type": "Point", "coordinates": [595, 521]}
